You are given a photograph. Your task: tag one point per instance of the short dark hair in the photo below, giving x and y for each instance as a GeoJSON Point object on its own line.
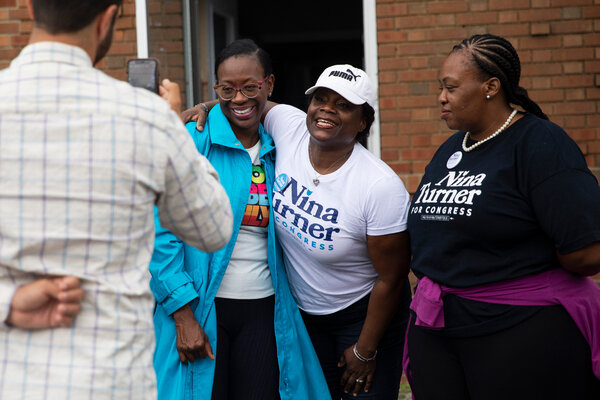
{"type": "Point", "coordinates": [369, 116]}
{"type": "Point", "coordinates": [494, 56]}
{"type": "Point", "coordinates": [242, 47]}
{"type": "Point", "coordinates": [68, 16]}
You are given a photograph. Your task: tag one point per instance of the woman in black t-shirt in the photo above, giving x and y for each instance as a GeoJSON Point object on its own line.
{"type": "Point", "coordinates": [506, 207]}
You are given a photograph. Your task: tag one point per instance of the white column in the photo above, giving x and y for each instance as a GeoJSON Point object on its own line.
{"type": "Point", "coordinates": [141, 21]}
{"type": "Point", "coordinates": [372, 68]}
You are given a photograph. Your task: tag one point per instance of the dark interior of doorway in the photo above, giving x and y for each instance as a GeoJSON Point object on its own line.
{"type": "Point", "coordinates": [303, 38]}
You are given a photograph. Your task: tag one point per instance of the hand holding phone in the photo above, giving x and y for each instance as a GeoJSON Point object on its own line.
{"type": "Point", "coordinates": [143, 72]}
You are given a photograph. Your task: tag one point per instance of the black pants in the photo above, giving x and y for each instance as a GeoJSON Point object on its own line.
{"type": "Point", "coordinates": [246, 359]}
{"type": "Point", "coordinates": [331, 334]}
{"type": "Point", "coordinates": [544, 357]}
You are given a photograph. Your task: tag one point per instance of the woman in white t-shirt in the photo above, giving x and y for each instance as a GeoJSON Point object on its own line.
{"type": "Point", "coordinates": [340, 215]}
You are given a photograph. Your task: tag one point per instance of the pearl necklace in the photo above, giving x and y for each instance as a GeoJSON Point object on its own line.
{"type": "Point", "coordinates": [316, 178]}
{"type": "Point", "coordinates": [477, 144]}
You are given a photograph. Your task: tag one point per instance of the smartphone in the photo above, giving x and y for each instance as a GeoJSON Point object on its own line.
{"type": "Point", "coordinates": [143, 72]}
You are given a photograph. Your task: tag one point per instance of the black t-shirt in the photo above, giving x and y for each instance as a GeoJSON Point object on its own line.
{"type": "Point", "coordinates": [501, 212]}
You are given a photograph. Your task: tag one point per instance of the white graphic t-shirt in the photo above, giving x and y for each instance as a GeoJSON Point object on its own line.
{"type": "Point", "coordinates": [323, 228]}
{"type": "Point", "coordinates": [247, 275]}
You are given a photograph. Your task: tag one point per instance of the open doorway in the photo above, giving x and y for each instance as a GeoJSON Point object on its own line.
{"type": "Point", "coordinates": [303, 38]}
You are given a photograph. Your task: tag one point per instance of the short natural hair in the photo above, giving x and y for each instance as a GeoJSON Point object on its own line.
{"type": "Point", "coordinates": [244, 47]}
{"type": "Point", "coordinates": [68, 16]}
{"type": "Point", "coordinates": [369, 116]}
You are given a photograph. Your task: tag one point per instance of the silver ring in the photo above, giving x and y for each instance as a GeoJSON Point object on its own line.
{"type": "Point", "coordinates": [359, 381]}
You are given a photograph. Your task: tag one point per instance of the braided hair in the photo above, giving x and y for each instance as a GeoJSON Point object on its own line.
{"type": "Point", "coordinates": [496, 57]}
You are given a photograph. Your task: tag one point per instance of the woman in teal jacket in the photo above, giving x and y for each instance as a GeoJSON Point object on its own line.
{"type": "Point", "coordinates": [190, 287]}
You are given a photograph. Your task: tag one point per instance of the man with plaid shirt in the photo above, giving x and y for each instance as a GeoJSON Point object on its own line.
{"type": "Point", "coordinates": [84, 159]}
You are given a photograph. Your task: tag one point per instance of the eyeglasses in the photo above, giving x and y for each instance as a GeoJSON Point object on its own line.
{"type": "Point", "coordinates": [250, 90]}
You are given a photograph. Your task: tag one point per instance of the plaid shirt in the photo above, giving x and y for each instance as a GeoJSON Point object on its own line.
{"type": "Point", "coordinates": [84, 158]}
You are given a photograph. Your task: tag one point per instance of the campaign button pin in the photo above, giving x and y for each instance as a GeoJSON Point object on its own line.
{"type": "Point", "coordinates": [454, 160]}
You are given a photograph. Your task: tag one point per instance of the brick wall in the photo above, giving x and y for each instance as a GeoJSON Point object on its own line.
{"type": "Point", "coordinates": [559, 45]}
{"type": "Point", "coordinates": [15, 27]}
{"type": "Point", "coordinates": [165, 36]}
{"type": "Point", "coordinates": [164, 31]}
{"type": "Point", "coordinates": [124, 44]}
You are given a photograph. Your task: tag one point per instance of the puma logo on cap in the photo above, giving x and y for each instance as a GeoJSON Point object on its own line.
{"type": "Point", "coordinates": [348, 75]}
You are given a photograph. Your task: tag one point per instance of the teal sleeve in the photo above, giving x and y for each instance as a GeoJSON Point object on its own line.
{"type": "Point", "coordinates": [171, 285]}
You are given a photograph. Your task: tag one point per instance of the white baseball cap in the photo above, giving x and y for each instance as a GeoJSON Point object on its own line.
{"type": "Point", "coordinates": [350, 82]}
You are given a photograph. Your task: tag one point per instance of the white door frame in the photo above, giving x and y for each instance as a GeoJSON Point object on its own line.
{"type": "Point", "coordinates": [372, 69]}
{"type": "Point", "coordinates": [141, 24]}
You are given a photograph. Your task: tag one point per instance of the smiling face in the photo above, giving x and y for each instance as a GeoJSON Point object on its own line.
{"type": "Point", "coordinates": [243, 113]}
{"type": "Point", "coordinates": [462, 94]}
{"type": "Point", "coordinates": [333, 120]}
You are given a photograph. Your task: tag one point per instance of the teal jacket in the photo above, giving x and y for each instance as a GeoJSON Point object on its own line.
{"type": "Point", "coordinates": [183, 274]}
